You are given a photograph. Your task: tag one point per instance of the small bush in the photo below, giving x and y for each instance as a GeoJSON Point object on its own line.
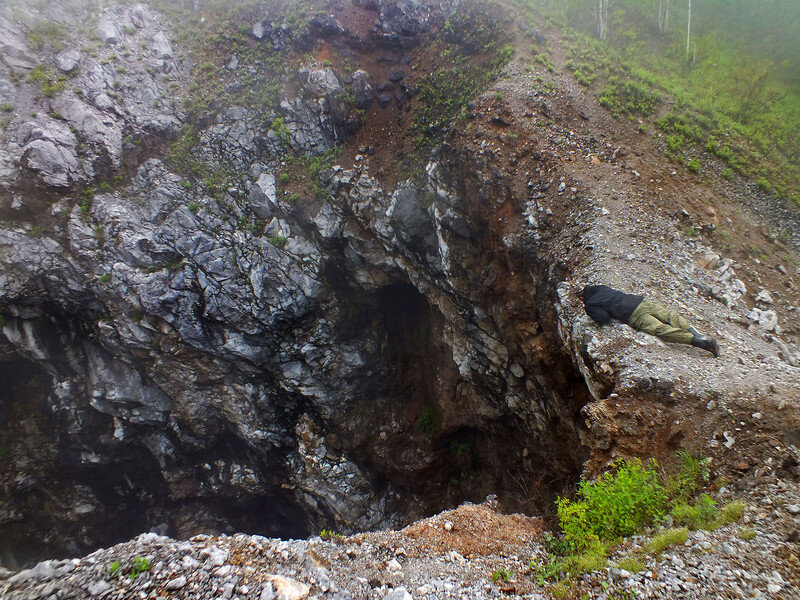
{"type": "Point", "coordinates": [693, 165]}
{"type": "Point", "coordinates": [669, 537]}
{"type": "Point", "coordinates": [617, 504]}
{"type": "Point", "coordinates": [105, 278]}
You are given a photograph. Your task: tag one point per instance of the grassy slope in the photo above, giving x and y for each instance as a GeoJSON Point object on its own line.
{"type": "Point", "coordinates": [741, 108]}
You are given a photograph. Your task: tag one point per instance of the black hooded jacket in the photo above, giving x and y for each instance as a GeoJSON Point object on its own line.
{"type": "Point", "coordinates": [604, 303]}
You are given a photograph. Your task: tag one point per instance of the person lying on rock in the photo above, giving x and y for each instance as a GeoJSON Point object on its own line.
{"type": "Point", "coordinates": [603, 303]}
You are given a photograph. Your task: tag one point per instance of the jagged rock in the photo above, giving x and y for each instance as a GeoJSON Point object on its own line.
{"type": "Point", "coordinates": [326, 26]}
{"type": "Point", "coordinates": [324, 82]}
{"type": "Point", "coordinates": [396, 75]}
{"type": "Point", "coordinates": [263, 196]}
{"type": "Point", "coordinates": [289, 589]}
{"type": "Point", "coordinates": [68, 60]}
{"type": "Point", "coordinates": [101, 133]}
{"type": "Point", "coordinates": [362, 89]}
{"type": "Point", "coordinates": [764, 297]}
{"type": "Point", "coordinates": [403, 17]}
{"type": "Point", "coordinates": [385, 99]}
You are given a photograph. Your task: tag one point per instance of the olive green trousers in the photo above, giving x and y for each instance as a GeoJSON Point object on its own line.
{"type": "Point", "coordinates": [655, 319]}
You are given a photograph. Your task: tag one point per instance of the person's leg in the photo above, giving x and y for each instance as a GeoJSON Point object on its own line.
{"type": "Point", "coordinates": [665, 315]}
{"type": "Point", "coordinates": [657, 320]}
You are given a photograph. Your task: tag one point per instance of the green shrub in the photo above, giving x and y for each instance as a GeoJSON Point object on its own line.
{"type": "Point", "coordinates": [668, 537]}
{"type": "Point", "coordinates": [617, 504]}
{"type": "Point", "coordinates": [764, 185]}
{"type": "Point", "coordinates": [105, 278]}
{"type": "Point", "coordinates": [727, 174]}
{"type": "Point", "coordinates": [693, 165]}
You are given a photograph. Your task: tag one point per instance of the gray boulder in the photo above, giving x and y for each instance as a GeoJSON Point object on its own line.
{"type": "Point", "coordinates": [107, 29]}
{"type": "Point", "coordinates": [68, 60]}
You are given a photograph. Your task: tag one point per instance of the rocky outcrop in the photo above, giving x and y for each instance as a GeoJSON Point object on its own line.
{"type": "Point", "coordinates": [217, 355]}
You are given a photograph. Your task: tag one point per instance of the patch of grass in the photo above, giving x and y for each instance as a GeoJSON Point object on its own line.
{"type": "Point", "coordinates": [668, 537]}
{"type": "Point", "coordinates": [139, 565]}
{"type": "Point", "coordinates": [427, 420]}
{"type": "Point", "coordinates": [700, 515]}
{"type": "Point", "coordinates": [693, 165]}
{"type": "Point", "coordinates": [732, 512]}
{"type": "Point", "coordinates": [632, 564]}
{"type": "Point", "coordinates": [105, 278]}
{"type": "Point", "coordinates": [279, 241]}
{"type": "Point", "coordinates": [630, 97]}
{"type": "Point", "coordinates": [48, 83]}
{"type": "Point", "coordinates": [193, 207]}
{"type": "Point", "coordinates": [330, 535]}
{"type": "Point", "coordinates": [747, 533]}
{"type": "Point", "coordinates": [7, 107]}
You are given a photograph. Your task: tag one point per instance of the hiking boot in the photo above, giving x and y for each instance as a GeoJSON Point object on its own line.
{"type": "Point", "coordinates": [706, 343]}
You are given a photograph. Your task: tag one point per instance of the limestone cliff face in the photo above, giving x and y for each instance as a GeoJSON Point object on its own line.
{"type": "Point", "coordinates": [189, 359]}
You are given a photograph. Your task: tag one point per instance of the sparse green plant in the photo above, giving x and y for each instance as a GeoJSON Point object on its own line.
{"type": "Point", "coordinates": [104, 278]}
{"type": "Point", "coordinates": [666, 538]}
{"type": "Point", "coordinates": [690, 231]}
{"type": "Point", "coordinates": [49, 84]}
{"type": "Point", "coordinates": [427, 420]}
{"type": "Point", "coordinates": [46, 33]}
{"type": "Point", "coordinates": [502, 575]}
{"type": "Point", "coordinates": [139, 565]}
{"type": "Point", "coordinates": [193, 207]}
{"type": "Point", "coordinates": [279, 241]}
{"type": "Point", "coordinates": [330, 535]}
{"type": "Point", "coordinates": [7, 107]}
{"type": "Point", "coordinates": [114, 569]}
{"type": "Point", "coordinates": [693, 165]}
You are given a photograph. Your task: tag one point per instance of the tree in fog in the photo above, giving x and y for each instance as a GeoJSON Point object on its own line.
{"type": "Point", "coordinates": [663, 16]}
{"type": "Point", "coordinates": [602, 18]}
